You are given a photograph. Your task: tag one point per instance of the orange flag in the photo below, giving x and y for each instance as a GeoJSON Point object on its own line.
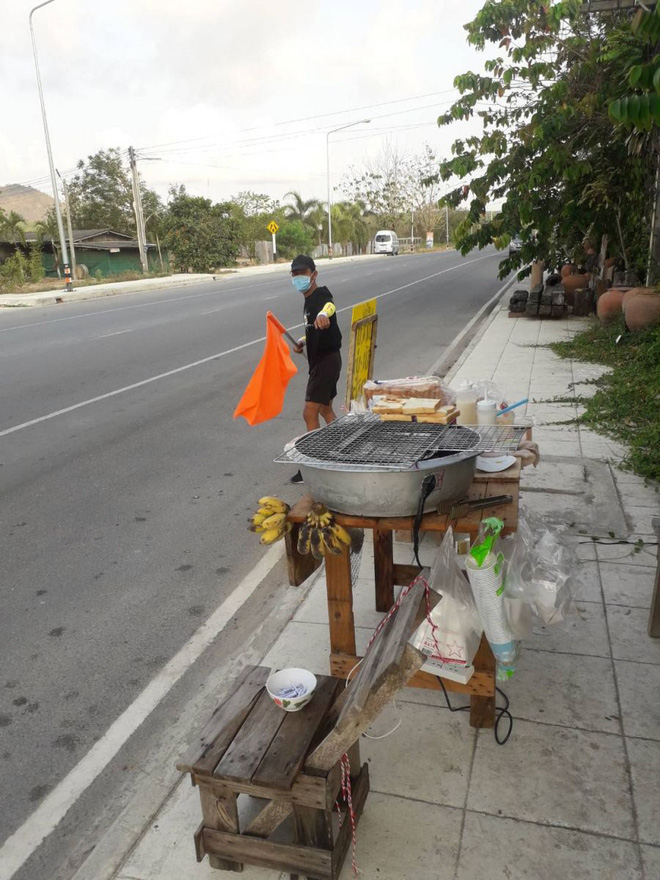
{"type": "Point", "coordinates": [264, 397]}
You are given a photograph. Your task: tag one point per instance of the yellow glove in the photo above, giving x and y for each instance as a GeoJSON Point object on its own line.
{"type": "Point", "coordinates": [328, 310]}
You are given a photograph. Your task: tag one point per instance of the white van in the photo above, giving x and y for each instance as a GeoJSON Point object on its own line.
{"type": "Point", "coordinates": [386, 242]}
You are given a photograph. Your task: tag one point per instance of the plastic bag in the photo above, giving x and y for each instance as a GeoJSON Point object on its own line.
{"type": "Point", "coordinates": [430, 387]}
{"type": "Point", "coordinates": [540, 569]}
{"type": "Point", "coordinates": [485, 569]}
{"type": "Point", "coordinates": [452, 638]}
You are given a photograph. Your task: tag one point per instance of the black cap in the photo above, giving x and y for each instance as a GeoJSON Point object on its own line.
{"type": "Point", "coordinates": [302, 261]}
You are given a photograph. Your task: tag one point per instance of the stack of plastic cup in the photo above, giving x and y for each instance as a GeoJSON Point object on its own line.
{"type": "Point", "coordinates": [486, 583]}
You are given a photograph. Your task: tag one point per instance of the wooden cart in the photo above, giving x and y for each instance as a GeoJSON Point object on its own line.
{"type": "Point", "coordinates": [388, 574]}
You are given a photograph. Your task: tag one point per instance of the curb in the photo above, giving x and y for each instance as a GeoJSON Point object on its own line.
{"type": "Point", "coordinates": [476, 326]}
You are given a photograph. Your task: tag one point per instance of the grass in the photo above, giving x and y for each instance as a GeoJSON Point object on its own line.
{"type": "Point", "coordinates": [626, 405]}
{"type": "Point", "coordinates": [48, 284]}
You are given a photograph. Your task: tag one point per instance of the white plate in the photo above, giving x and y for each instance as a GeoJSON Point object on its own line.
{"type": "Point", "coordinates": [495, 464]}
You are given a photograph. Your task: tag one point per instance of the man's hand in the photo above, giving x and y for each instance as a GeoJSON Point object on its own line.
{"type": "Point", "coordinates": [299, 346]}
{"type": "Point", "coordinates": [322, 322]}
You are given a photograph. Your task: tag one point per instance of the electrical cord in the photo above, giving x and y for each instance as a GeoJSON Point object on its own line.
{"type": "Point", "coordinates": [500, 713]}
{"type": "Point", "coordinates": [428, 485]}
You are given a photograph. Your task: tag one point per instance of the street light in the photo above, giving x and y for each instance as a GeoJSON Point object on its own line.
{"type": "Point", "coordinates": [327, 152]}
{"type": "Point", "coordinates": [53, 179]}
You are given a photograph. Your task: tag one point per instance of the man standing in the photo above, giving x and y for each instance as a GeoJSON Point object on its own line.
{"type": "Point", "coordinates": [323, 342]}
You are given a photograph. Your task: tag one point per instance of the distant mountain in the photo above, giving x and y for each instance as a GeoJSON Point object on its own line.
{"type": "Point", "coordinates": [30, 203]}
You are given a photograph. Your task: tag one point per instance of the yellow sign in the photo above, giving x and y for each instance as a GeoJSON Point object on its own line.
{"type": "Point", "coordinates": [362, 349]}
{"type": "Point", "coordinates": [273, 227]}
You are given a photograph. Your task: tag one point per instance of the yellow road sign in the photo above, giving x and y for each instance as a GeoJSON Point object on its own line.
{"type": "Point", "coordinates": [362, 349]}
{"type": "Point", "coordinates": [273, 227]}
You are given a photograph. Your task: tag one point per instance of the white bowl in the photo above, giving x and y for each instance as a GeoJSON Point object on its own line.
{"type": "Point", "coordinates": [287, 677]}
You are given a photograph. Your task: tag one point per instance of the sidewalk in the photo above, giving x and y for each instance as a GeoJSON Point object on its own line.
{"type": "Point", "coordinates": [574, 792]}
{"type": "Point", "coordinates": [58, 295]}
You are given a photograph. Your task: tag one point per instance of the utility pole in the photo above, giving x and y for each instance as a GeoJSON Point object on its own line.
{"type": "Point", "coordinates": [51, 164]}
{"type": "Point", "coordinates": [139, 216]}
{"type": "Point", "coordinates": [68, 224]}
{"type": "Point", "coordinates": [447, 222]}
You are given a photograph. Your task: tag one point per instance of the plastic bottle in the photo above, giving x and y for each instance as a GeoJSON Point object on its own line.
{"type": "Point", "coordinates": [466, 402]}
{"type": "Point", "coordinates": [486, 412]}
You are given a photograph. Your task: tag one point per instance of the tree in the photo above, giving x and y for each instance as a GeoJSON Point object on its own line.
{"type": "Point", "coordinates": [294, 238]}
{"type": "Point", "coordinates": [35, 267]}
{"type": "Point", "coordinates": [13, 227]}
{"type": "Point", "coordinates": [101, 194]}
{"type": "Point", "coordinates": [349, 225]}
{"type": "Point", "coordinates": [639, 107]}
{"type": "Point", "coordinates": [548, 148]}
{"type": "Point", "coordinates": [382, 185]}
{"type": "Point", "coordinates": [303, 210]}
{"type": "Point", "coordinates": [201, 235]}
{"type": "Point", "coordinates": [253, 212]}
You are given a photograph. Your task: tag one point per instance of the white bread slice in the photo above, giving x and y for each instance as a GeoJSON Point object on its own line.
{"type": "Point", "coordinates": [420, 406]}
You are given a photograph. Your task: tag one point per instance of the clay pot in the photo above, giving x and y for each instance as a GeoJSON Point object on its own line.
{"type": "Point", "coordinates": [610, 305]}
{"type": "Point", "coordinates": [567, 270]}
{"type": "Point", "coordinates": [641, 307]}
{"type": "Point", "coordinates": [572, 283]}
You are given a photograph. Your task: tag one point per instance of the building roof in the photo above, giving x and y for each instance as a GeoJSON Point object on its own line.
{"type": "Point", "coordinates": [82, 238]}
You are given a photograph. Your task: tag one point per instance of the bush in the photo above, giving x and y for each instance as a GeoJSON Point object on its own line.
{"type": "Point", "coordinates": [294, 238]}
{"type": "Point", "coordinates": [14, 270]}
{"type": "Point", "coordinates": [36, 269]}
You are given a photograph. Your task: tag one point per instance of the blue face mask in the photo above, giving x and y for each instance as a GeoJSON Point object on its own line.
{"type": "Point", "coordinates": [302, 283]}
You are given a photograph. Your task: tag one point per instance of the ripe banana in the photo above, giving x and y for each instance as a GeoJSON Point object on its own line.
{"type": "Point", "coordinates": [275, 505]}
{"type": "Point", "coordinates": [340, 533]}
{"type": "Point", "coordinates": [270, 536]}
{"type": "Point", "coordinates": [331, 542]}
{"type": "Point", "coordinates": [304, 539]}
{"type": "Point", "coordinates": [276, 521]}
{"type": "Point", "coordinates": [316, 542]}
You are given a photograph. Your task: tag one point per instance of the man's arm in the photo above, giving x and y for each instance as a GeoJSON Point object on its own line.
{"type": "Point", "coordinates": [323, 318]}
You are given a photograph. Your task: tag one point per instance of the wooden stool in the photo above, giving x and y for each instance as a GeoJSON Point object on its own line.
{"type": "Point", "coordinates": [293, 761]}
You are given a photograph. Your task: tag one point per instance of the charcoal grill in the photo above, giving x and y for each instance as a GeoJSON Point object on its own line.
{"type": "Point", "coordinates": [361, 465]}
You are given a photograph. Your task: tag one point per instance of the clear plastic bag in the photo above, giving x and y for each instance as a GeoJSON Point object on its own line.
{"type": "Point", "coordinates": [429, 387]}
{"type": "Point", "coordinates": [452, 637]}
{"type": "Point", "coordinates": [540, 569]}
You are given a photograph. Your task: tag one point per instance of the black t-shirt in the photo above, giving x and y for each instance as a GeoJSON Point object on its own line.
{"type": "Point", "coordinates": [320, 342]}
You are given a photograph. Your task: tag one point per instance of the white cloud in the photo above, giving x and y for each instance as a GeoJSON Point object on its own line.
{"type": "Point", "coordinates": [147, 72]}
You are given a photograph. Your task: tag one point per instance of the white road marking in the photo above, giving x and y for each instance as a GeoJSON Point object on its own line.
{"type": "Point", "coordinates": [213, 357]}
{"type": "Point", "coordinates": [18, 848]}
{"type": "Point", "coordinates": [270, 297]}
{"type": "Point", "coordinates": [115, 333]}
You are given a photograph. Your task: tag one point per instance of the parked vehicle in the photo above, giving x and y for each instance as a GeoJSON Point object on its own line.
{"type": "Point", "coordinates": [515, 245]}
{"type": "Point", "coordinates": [386, 242]}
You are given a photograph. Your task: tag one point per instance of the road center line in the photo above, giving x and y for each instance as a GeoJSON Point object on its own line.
{"type": "Point", "coordinates": [114, 333]}
{"type": "Point", "coordinates": [18, 848]}
{"type": "Point", "coordinates": [213, 357]}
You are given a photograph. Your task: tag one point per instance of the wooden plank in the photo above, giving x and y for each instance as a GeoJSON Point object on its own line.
{"type": "Point", "coordinates": [299, 567]}
{"type": "Point", "coordinates": [286, 753]}
{"type": "Point", "coordinates": [199, 842]}
{"type": "Point", "coordinates": [360, 790]}
{"type": "Point", "coordinates": [482, 709]}
{"type": "Point", "coordinates": [481, 683]}
{"type": "Point", "coordinates": [311, 791]}
{"type": "Point", "coordinates": [269, 819]}
{"type": "Point", "coordinates": [383, 564]}
{"type": "Point", "coordinates": [328, 753]}
{"type": "Point", "coordinates": [339, 589]}
{"type": "Point", "coordinates": [313, 827]}
{"type": "Point", "coordinates": [207, 749]}
{"type": "Point", "coordinates": [404, 574]}
{"type": "Point", "coordinates": [303, 860]}
{"type": "Point", "coordinates": [219, 812]}
{"type": "Point", "coordinates": [252, 741]}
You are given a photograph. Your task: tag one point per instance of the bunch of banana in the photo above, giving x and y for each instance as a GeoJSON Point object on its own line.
{"type": "Point", "coordinates": [270, 520]}
{"type": "Point", "coordinates": [321, 533]}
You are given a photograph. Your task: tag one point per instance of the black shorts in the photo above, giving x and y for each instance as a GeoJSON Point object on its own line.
{"type": "Point", "coordinates": [323, 378]}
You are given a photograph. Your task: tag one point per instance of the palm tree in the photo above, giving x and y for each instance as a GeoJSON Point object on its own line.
{"type": "Point", "coordinates": [300, 209]}
{"type": "Point", "coordinates": [13, 227]}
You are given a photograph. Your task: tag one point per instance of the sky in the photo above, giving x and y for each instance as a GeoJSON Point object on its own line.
{"type": "Point", "coordinates": [229, 96]}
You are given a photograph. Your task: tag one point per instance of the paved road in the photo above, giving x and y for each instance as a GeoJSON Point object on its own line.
{"type": "Point", "coordinates": [123, 520]}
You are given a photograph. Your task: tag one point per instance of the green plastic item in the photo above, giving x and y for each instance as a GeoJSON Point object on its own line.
{"type": "Point", "coordinates": [488, 532]}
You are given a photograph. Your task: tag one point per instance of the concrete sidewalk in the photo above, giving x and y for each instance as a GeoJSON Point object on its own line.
{"type": "Point", "coordinates": [95, 291]}
{"type": "Point", "coordinates": [574, 792]}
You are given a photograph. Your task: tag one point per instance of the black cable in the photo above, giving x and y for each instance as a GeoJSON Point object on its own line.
{"type": "Point", "coordinates": [500, 712]}
{"type": "Point", "coordinates": [428, 485]}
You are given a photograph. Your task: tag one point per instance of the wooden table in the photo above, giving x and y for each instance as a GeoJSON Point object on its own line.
{"type": "Point", "coordinates": [388, 574]}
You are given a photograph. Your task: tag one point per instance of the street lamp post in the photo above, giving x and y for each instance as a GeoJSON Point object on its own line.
{"type": "Point", "coordinates": [53, 179]}
{"type": "Point", "coordinates": [327, 154]}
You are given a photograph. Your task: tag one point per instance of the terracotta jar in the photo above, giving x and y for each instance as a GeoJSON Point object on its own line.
{"type": "Point", "coordinates": [641, 307]}
{"type": "Point", "coordinates": [572, 283]}
{"type": "Point", "coordinates": [610, 305]}
{"type": "Point", "coordinates": [567, 270]}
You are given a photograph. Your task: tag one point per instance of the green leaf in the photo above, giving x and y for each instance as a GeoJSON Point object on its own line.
{"type": "Point", "coordinates": [656, 79]}
{"type": "Point", "coordinates": [635, 74]}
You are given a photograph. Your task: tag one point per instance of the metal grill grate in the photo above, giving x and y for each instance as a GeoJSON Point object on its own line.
{"type": "Point", "coordinates": [366, 443]}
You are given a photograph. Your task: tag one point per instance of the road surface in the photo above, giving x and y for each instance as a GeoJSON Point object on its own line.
{"type": "Point", "coordinates": [123, 519]}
